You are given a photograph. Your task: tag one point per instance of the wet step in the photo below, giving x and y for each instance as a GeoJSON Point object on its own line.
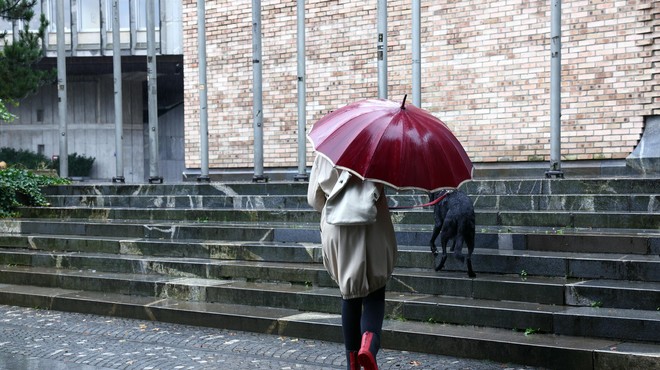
{"type": "Point", "coordinates": [224, 188]}
{"type": "Point", "coordinates": [522, 263]}
{"type": "Point", "coordinates": [538, 289]}
{"type": "Point", "coordinates": [563, 186]}
{"type": "Point", "coordinates": [477, 186]}
{"type": "Point", "coordinates": [517, 202]}
{"type": "Point", "coordinates": [624, 324]}
{"type": "Point", "coordinates": [157, 229]}
{"type": "Point", "coordinates": [546, 219]}
{"type": "Point", "coordinates": [546, 350]}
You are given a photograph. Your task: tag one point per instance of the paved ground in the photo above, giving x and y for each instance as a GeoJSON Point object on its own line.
{"type": "Point", "coordinates": [37, 339]}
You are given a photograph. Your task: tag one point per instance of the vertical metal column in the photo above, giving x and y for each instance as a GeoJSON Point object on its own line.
{"type": "Point", "coordinates": [203, 95]}
{"type": "Point", "coordinates": [15, 29]}
{"type": "Point", "coordinates": [382, 49]}
{"type": "Point", "coordinates": [61, 90]}
{"type": "Point", "coordinates": [119, 111]}
{"type": "Point", "coordinates": [257, 105]}
{"type": "Point", "coordinates": [152, 95]}
{"type": "Point", "coordinates": [302, 100]}
{"type": "Point", "coordinates": [416, 54]}
{"type": "Point", "coordinates": [555, 91]}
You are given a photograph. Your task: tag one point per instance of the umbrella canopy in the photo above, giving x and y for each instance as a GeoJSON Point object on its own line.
{"type": "Point", "coordinates": [400, 145]}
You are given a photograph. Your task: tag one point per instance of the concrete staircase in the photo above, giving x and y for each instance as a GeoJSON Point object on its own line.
{"type": "Point", "coordinates": [568, 271]}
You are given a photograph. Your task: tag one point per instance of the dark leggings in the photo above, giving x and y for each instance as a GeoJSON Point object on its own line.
{"type": "Point", "coordinates": [362, 314]}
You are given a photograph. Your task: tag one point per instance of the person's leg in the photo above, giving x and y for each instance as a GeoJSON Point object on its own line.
{"type": "Point", "coordinates": [371, 324]}
{"type": "Point", "coordinates": [351, 312]}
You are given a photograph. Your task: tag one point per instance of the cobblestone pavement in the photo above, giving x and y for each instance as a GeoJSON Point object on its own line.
{"type": "Point", "coordinates": [33, 339]}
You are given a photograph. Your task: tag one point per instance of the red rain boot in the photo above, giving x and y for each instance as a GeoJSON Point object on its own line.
{"type": "Point", "coordinates": [352, 360]}
{"type": "Point", "coordinates": [368, 350]}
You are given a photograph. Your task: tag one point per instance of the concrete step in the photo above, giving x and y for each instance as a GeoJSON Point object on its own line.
{"type": "Point", "coordinates": [504, 345]}
{"type": "Point", "coordinates": [555, 290]}
{"type": "Point", "coordinates": [596, 185]}
{"type": "Point", "coordinates": [478, 186]}
{"type": "Point", "coordinates": [609, 266]}
{"type": "Point", "coordinates": [142, 229]}
{"type": "Point", "coordinates": [638, 325]}
{"type": "Point", "coordinates": [556, 219]}
{"type": "Point", "coordinates": [518, 202]}
{"type": "Point", "coordinates": [617, 241]}
{"type": "Point", "coordinates": [269, 255]}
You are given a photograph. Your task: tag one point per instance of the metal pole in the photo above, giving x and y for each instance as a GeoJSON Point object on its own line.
{"type": "Point", "coordinates": [15, 29]}
{"type": "Point", "coordinates": [61, 90]}
{"type": "Point", "coordinates": [382, 49]}
{"type": "Point", "coordinates": [416, 54]}
{"type": "Point", "coordinates": [203, 96]}
{"type": "Point", "coordinates": [257, 105]}
{"type": "Point", "coordinates": [119, 112]}
{"type": "Point", "coordinates": [555, 91]}
{"type": "Point", "coordinates": [302, 101]}
{"type": "Point", "coordinates": [152, 95]}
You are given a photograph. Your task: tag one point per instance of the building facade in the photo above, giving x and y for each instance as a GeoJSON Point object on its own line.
{"type": "Point", "coordinates": [485, 72]}
{"type": "Point", "coordinates": [90, 88]}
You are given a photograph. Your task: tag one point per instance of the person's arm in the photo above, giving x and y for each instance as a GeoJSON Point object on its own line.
{"type": "Point", "coordinates": [315, 194]}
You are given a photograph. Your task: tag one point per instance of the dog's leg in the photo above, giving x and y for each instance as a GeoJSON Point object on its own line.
{"type": "Point", "coordinates": [469, 266]}
{"type": "Point", "coordinates": [436, 232]}
{"type": "Point", "coordinates": [458, 240]}
{"type": "Point", "coordinates": [470, 248]}
{"type": "Point", "coordinates": [443, 242]}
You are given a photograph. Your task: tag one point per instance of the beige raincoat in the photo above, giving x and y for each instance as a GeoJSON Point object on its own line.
{"type": "Point", "coordinates": [359, 258]}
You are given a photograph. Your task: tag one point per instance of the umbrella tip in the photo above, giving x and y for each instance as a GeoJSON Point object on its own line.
{"type": "Point", "coordinates": [403, 104]}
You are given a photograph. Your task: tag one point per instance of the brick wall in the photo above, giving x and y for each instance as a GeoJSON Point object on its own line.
{"type": "Point", "coordinates": [485, 72]}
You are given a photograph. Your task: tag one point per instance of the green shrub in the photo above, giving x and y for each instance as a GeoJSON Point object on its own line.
{"type": "Point", "coordinates": [23, 158]}
{"type": "Point", "coordinates": [79, 165]}
{"type": "Point", "coordinates": [20, 187]}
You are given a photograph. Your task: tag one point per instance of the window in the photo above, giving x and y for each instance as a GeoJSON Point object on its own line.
{"type": "Point", "coordinates": [89, 15]}
{"type": "Point", "coordinates": [124, 15]}
{"type": "Point", "coordinates": [52, 17]}
{"type": "Point", "coordinates": [142, 15]}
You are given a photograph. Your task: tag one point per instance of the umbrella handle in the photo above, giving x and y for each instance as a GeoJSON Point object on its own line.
{"type": "Point", "coordinates": [403, 103]}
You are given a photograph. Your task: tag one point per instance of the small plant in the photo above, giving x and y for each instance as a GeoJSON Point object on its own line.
{"type": "Point", "coordinates": [397, 317]}
{"type": "Point", "coordinates": [6, 115]}
{"type": "Point", "coordinates": [432, 320]}
{"type": "Point", "coordinates": [523, 274]}
{"type": "Point", "coordinates": [597, 304]}
{"type": "Point", "coordinates": [530, 331]}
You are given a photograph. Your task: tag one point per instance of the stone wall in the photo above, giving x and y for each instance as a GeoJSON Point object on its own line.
{"type": "Point", "coordinates": [485, 72]}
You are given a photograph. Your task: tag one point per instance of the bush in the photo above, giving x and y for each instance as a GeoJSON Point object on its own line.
{"type": "Point", "coordinates": [20, 187]}
{"type": "Point", "coordinates": [23, 158]}
{"type": "Point", "coordinates": [79, 165]}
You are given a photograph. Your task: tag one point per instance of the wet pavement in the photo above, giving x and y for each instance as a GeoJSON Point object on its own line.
{"type": "Point", "coordinates": [32, 339]}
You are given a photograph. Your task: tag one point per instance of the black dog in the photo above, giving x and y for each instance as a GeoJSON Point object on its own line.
{"type": "Point", "coordinates": [454, 219]}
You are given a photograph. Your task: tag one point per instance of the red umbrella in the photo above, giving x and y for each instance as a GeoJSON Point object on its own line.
{"type": "Point", "coordinates": [400, 145]}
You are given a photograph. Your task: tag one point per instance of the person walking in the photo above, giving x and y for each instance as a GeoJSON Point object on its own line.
{"type": "Point", "coordinates": [360, 259]}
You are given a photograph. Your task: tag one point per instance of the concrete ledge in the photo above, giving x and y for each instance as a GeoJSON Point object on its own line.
{"type": "Point", "coordinates": [548, 351]}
